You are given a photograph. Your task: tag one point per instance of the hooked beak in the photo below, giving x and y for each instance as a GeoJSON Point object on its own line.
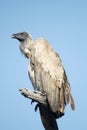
{"type": "Point", "coordinates": [13, 36]}
{"type": "Point", "coordinates": [16, 36]}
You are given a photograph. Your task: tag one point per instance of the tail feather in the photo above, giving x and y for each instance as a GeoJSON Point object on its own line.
{"type": "Point", "coordinates": [68, 96]}
{"type": "Point", "coordinates": [72, 102]}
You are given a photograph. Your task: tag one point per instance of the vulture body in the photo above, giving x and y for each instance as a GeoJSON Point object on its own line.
{"type": "Point", "coordinates": [46, 73]}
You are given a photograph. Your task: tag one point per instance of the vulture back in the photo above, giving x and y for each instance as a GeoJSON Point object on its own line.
{"type": "Point", "coordinates": [48, 76]}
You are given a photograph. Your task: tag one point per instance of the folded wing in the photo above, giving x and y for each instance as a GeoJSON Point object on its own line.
{"type": "Point", "coordinates": [48, 75]}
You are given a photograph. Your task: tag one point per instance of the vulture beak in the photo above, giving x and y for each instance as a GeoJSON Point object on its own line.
{"type": "Point", "coordinates": [13, 36]}
{"type": "Point", "coordinates": [17, 36]}
{"type": "Point", "coordinates": [21, 36]}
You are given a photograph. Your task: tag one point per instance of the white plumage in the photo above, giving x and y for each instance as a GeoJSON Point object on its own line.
{"type": "Point", "coordinates": [46, 72]}
{"type": "Point", "coordinates": [47, 75]}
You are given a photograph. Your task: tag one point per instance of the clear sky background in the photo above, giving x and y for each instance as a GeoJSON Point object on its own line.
{"type": "Point", "coordinates": [64, 24]}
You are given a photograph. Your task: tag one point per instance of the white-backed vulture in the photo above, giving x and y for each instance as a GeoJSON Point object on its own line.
{"type": "Point", "coordinates": [46, 73]}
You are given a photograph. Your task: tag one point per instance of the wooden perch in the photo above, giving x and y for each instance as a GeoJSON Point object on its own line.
{"type": "Point", "coordinates": [35, 96]}
{"type": "Point", "coordinates": [48, 121]}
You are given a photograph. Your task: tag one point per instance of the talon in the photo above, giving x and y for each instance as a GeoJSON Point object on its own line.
{"type": "Point", "coordinates": [36, 107]}
{"type": "Point", "coordinates": [32, 102]}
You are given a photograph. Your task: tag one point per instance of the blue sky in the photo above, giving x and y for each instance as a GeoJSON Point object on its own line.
{"type": "Point", "coordinates": [64, 25]}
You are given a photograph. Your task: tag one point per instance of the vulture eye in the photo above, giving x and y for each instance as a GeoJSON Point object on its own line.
{"type": "Point", "coordinates": [22, 33]}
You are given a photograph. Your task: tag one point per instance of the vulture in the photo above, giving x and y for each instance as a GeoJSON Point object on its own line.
{"type": "Point", "coordinates": [47, 75]}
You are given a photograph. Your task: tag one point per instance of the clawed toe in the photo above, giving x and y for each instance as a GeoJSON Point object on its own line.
{"type": "Point", "coordinates": [32, 102]}
{"type": "Point", "coordinates": [36, 107]}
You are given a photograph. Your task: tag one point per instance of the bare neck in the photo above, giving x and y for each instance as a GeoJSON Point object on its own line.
{"type": "Point", "coordinates": [26, 47]}
{"type": "Point", "coordinates": [29, 45]}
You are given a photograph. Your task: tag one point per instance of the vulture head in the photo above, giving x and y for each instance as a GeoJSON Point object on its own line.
{"type": "Point", "coordinates": [26, 42]}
